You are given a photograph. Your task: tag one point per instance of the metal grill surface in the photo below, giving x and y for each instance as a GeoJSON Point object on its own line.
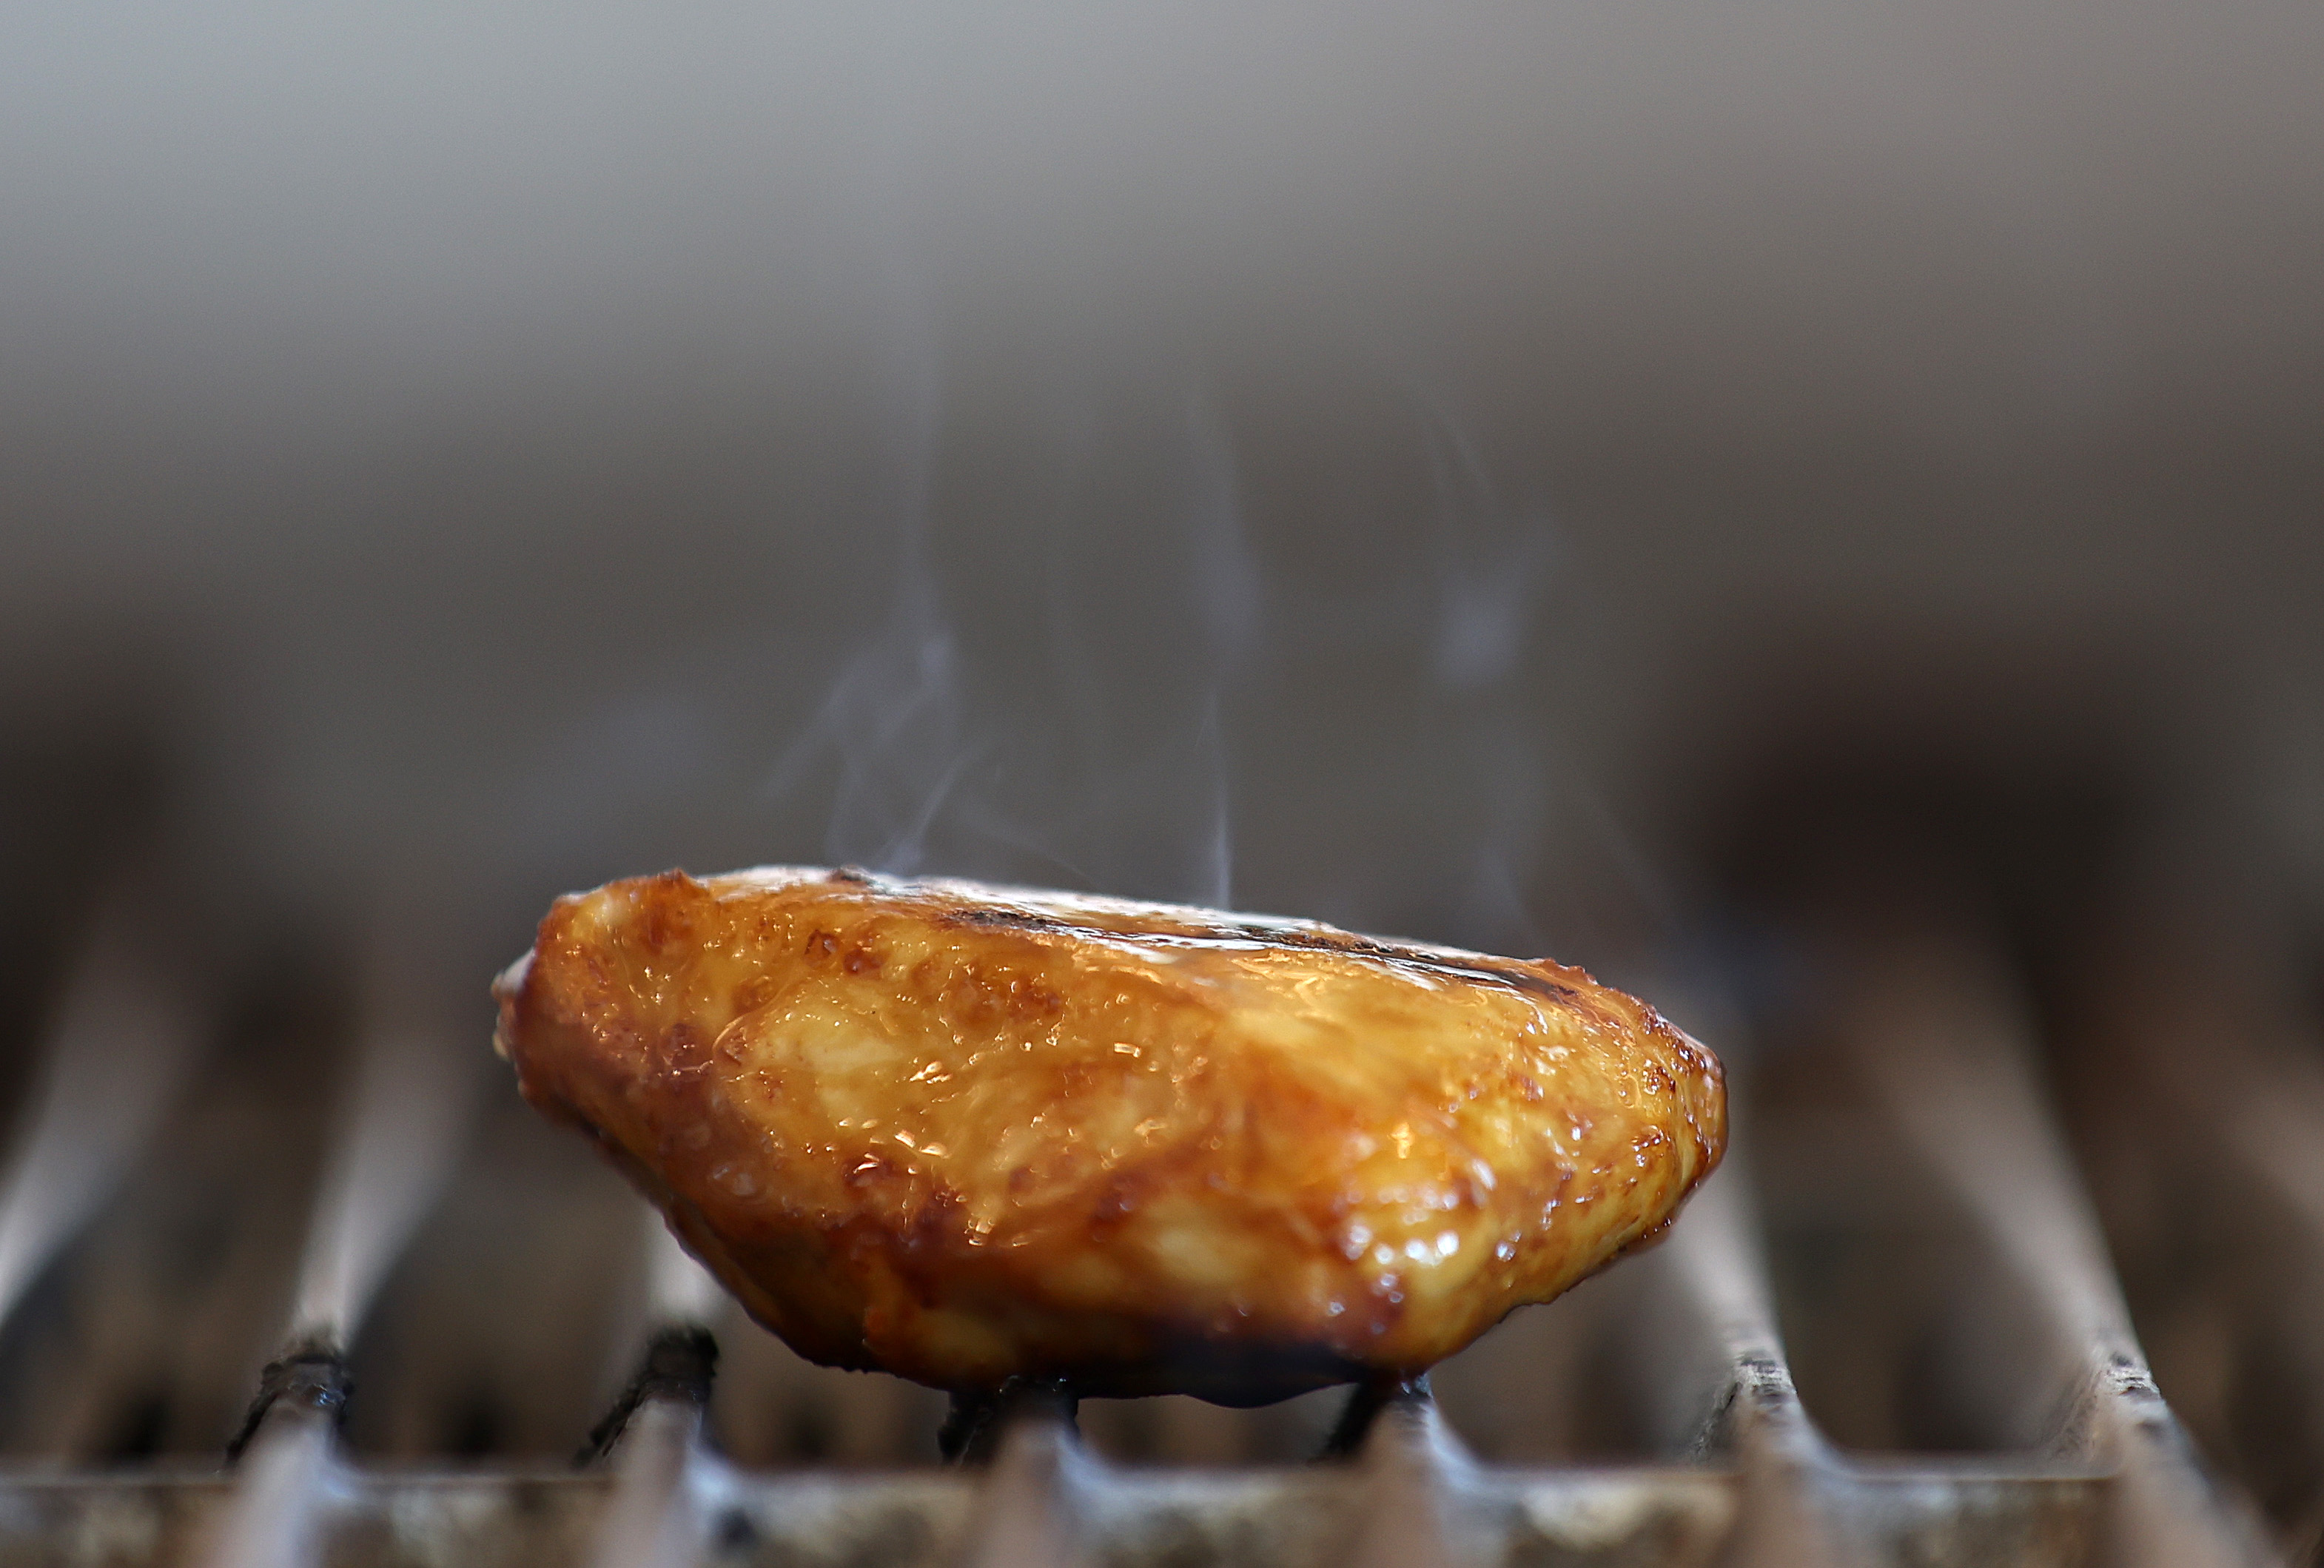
{"type": "Point", "coordinates": [1892, 1330]}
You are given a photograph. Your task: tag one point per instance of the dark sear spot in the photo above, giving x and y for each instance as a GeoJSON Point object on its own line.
{"type": "Point", "coordinates": [1015, 920]}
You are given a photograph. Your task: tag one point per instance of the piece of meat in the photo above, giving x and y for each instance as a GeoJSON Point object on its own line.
{"type": "Point", "coordinates": [962, 1132]}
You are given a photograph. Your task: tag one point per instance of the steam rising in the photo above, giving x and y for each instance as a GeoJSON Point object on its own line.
{"type": "Point", "coordinates": [893, 721]}
{"type": "Point", "coordinates": [483, 436]}
{"type": "Point", "coordinates": [1106, 694]}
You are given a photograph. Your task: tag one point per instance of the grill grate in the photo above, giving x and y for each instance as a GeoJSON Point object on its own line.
{"type": "Point", "coordinates": [1889, 1332]}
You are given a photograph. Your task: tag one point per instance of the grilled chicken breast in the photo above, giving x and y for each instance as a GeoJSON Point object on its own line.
{"type": "Point", "coordinates": [962, 1132]}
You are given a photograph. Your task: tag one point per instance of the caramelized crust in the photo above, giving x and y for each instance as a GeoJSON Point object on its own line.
{"type": "Point", "coordinates": [960, 1132]}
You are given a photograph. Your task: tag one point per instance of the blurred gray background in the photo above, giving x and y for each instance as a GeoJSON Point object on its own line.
{"type": "Point", "coordinates": [1467, 472]}
{"type": "Point", "coordinates": [1556, 478]}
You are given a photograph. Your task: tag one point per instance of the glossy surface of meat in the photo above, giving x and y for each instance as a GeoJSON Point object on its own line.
{"type": "Point", "coordinates": [961, 1132]}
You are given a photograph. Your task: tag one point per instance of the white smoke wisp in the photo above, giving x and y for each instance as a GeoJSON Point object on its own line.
{"type": "Point", "coordinates": [1229, 597]}
{"type": "Point", "coordinates": [894, 722]}
{"type": "Point", "coordinates": [1104, 689]}
{"type": "Point", "coordinates": [1214, 860]}
{"type": "Point", "coordinates": [1085, 737]}
{"type": "Point", "coordinates": [1492, 573]}
{"type": "Point", "coordinates": [1512, 666]}
{"type": "Point", "coordinates": [1492, 559]}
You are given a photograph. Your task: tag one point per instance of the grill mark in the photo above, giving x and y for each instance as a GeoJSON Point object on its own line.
{"type": "Point", "coordinates": [1518, 978]}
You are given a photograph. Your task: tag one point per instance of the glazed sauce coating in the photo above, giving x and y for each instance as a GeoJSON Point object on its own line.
{"type": "Point", "coordinates": [960, 1132]}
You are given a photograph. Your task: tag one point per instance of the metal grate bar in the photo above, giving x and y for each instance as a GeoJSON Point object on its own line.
{"type": "Point", "coordinates": [122, 1045]}
{"type": "Point", "coordinates": [1414, 1470]}
{"type": "Point", "coordinates": [654, 1434]}
{"type": "Point", "coordinates": [1940, 1035]}
{"type": "Point", "coordinates": [283, 1489]}
{"type": "Point", "coordinates": [652, 1520]}
{"type": "Point", "coordinates": [1025, 1515]}
{"type": "Point", "coordinates": [408, 1105]}
{"type": "Point", "coordinates": [2199, 1102]}
{"type": "Point", "coordinates": [1786, 1512]}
